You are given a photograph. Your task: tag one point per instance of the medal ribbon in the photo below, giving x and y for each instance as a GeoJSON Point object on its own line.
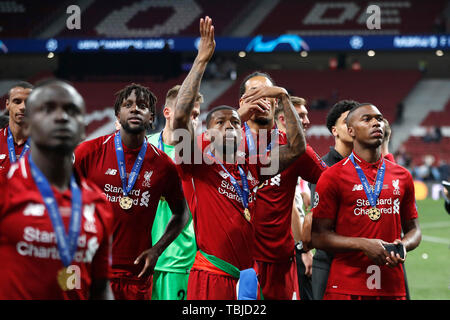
{"type": "Point", "coordinates": [12, 151]}
{"type": "Point", "coordinates": [245, 191]}
{"type": "Point", "coordinates": [372, 196]}
{"type": "Point", "coordinates": [251, 142]}
{"type": "Point", "coordinates": [127, 187]}
{"type": "Point", "coordinates": [67, 243]}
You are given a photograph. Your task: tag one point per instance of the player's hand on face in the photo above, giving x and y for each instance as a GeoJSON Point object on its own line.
{"type": "Point", "coordinates": [150, 257]}
{"type": "Point", "coordinates": [394, 258]}
{"type": "Point", "coordinates": [207, 43]}
{"type": "Point", "coordinates": [254, 94]}
{"type": "Point", "coordinates": [374, 249]}
{"type": "Point", "coordinates": [247, 110]}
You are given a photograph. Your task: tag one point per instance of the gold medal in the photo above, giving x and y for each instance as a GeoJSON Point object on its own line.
{"type": "Point", "coordinates": [126, 203]}
{"type": "Point", "coordinates": [374, 214]}
{"type": "Point", "coordinates": [247, 214]}
{"type": "Point", "coordinates": [63, 277]}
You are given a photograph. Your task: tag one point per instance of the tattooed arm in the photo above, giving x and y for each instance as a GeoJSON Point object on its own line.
{"type": "Point", "coordinates": [281, 157]}
{"type": "Point", "coordinates": [190, 87]}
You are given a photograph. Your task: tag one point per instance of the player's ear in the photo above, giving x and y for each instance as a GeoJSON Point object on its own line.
{"type": "Point", "coordinates": [351, 132]}
{"type": "Point", "coordinates": [207, 135]}
{"type": "Point", "coordinates": [334, 132]}
{"type": "Point", "coordinates": [166, 112]}
{"type": "Point", "coordinates": [241, 102]}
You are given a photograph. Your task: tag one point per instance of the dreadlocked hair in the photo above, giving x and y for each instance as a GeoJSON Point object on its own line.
{"type": "Point", "coordinates": [140, 91]}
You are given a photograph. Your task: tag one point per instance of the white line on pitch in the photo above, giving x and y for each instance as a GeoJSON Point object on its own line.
{"type": "Point", "coordinates": [436, 239]}
{"type": "Point", "coordinates": [435, 225]}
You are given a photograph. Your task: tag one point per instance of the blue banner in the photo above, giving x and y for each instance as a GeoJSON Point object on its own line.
{"type": "Point", "coordinates": [282, 43]}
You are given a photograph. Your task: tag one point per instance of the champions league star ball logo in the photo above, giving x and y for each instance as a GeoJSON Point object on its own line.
{"type": "Point", "coordinates": [316, 199]}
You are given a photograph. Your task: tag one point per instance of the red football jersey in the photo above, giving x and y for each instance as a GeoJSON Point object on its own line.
{"type": "Point", "coordinates": [274, 241]}
{"type": "Point", "coordinates": [217, 210]}
{"type": "Point", "coordinates": [29, 257]}
{"type": "Point", "coordinates": [5, 163]}
{"type": "Point", "coordinates": [96, 159]}
{"type": "Point", "coordinates": [273, 208]}
{"type": "Point", "coordinates": [340, 196]}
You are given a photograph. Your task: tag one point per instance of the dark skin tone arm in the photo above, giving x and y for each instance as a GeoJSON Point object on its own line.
{"type": "Point", "coordinates": [296, 142]}
{"type": "Point", "coordinates": [324, 238]}
{"type": "Point", "coordinates": [176, 224]}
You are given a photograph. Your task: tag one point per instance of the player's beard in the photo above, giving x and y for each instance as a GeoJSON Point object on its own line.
{"type": "Point", "coordinates": [135, 130]}
{"type": "Point", "coordinates": [262, 121]}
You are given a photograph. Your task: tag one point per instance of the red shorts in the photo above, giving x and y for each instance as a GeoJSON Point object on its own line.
{"type": "Point", "coordinates": [341, 296]}
{"type": "Point", "coordinates": [207, 282]}
{"type": "Point", "coordinates": [278, 281]}
{"type": "Point", "coordinates": [205, 285]}
{"type": "Point", "coordinates": [131, 289]}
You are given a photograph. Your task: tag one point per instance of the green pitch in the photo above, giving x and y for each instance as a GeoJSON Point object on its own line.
{"type": "Point", "coordinates": [428, 266]}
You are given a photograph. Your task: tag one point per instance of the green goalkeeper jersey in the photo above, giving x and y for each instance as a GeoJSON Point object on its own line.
{"type": "Point", "coordinates": [180, 254]}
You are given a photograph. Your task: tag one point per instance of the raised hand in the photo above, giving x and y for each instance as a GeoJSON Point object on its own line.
{"type": "Point", "coordinates": [255, 94]}
{"type": "Point", "coordinates": [207, 43]}
{"type": "Point", "coordinates": [247, 110]}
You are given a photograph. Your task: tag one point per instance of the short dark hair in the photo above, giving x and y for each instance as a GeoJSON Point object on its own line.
{"type": "Point", "coordinates": [359, 105]}
{"type": "Point", "coordinates": [140, 91]}
{"type": "Point", "coordinates": [20, 84]}
{"type": "Point", "coordinates": [210, 113]}
{"type": "Point", "coordinates": [337, 110]}
{"type": "Point", "coordinates": [251, 75]}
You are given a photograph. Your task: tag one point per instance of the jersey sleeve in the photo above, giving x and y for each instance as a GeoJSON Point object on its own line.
{"type": "Point", "coordinates": [309, 166]}
{"type": "Point", "coordinates": [81, 158]}
{"type": "Point", "coordinates": [186, 165]}
{"type": "Point", "coordinates": [408, 208]}
{"type": "Point", "coordinates": [101, 264]}
{"type": "Point", "coordinates": [390, 157]}
{"type": "Point", "coordinates": [326, 197]}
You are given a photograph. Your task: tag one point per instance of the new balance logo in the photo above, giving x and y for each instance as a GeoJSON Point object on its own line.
{"type": "Point", "coordinates": [2, 156]}
{"type": "Point", "coordinates": [357, 187]}
{"type": "Point", "coordinates": [223, 174]}
{"type": "Point", "coordinates": [34, 209]}
{"type": "Point", "coordinates": [111, 172]}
